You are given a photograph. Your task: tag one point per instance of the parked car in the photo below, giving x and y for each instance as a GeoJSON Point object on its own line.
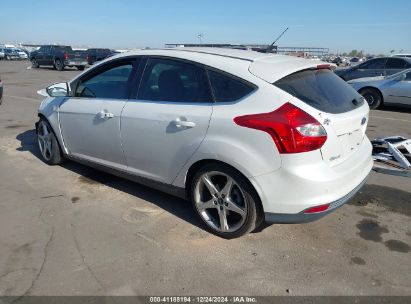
{"type": "Point", "coordinates": [59, 56]}
{"type": "Point", "coordinates": [354, 61]}
{"type": "Point", "coordinates": [402, 55]}
{"type": "Point", "coordinates": [393, 89]}
{"type": "Point", "coordinates": [1, 91]}
{"type": "Point", "coordinates": [11, 54]}
{"type": "Point", "coordinates": [337, 61]}
{"type": "Point", "coordinates": [245, 136]}
{"type": "Point", "coordinates": [2, 55]}
{"type": "Point", "coordinates": [22, 54]}
{"type": "Point", "coordinates": [382, 66]}
{"type": "Point", "coordinates": [95, 55]}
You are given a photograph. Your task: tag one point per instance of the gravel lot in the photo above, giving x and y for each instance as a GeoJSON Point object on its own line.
{"type": "Point", "coordinates": [71, 230]}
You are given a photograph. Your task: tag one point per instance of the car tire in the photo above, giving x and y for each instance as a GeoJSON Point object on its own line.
{"type": "Point", "coordinates": [234, 209]}
{"type": "Point", "coordinates": [48, 144]}
{"type": "Point", "coordinates": [373, 97]}
{"type": "Point", "coordinates": [34, 64]}
{"type": "Point", "coordinates": [58, 65]}
{"type": "Point", "coordinates": [80, 67]}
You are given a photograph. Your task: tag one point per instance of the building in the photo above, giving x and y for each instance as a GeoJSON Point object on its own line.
{"type": "Point", "coordinates": [306, 51]}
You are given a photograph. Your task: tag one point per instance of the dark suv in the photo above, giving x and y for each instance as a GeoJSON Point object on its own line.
{"type": "Point", "coordinates": [382, 66]}
{"type": "Point", "coordinates": [97, 55]}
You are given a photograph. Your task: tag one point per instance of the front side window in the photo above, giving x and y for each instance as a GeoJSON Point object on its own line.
{"type": "Point", "coordinates": [373, 64]}
{"type": "Point", "coordinates": [174, 81]}
{"type": "Point", "coordinates": [226, 88]}
{"type": "Point", "coordinates": [110, 83]}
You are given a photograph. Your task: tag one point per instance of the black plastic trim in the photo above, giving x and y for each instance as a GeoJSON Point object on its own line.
{"type": "Point", "coordinates": [167, 188]}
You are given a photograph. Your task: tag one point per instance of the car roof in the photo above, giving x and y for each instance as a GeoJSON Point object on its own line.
{"type": "Point", "coordinates": [269, 67]}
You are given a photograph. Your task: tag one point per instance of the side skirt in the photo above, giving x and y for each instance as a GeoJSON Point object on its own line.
{"type": "Point", "coordinates": [166, 188]}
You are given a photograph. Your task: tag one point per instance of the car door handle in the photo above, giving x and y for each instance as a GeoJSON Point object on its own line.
{"type": "Point", "coordinates": [106, 115]}
{"type": "Point", "coordinates": [183, 123]}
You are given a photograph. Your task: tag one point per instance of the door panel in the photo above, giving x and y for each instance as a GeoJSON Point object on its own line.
{"type": "Point", "coordinates": [155, 144]}
{"type": "Point", "coordinates": [399, 92]}
{"type": "Point", "coordinates": [90, 132]}
{"type": "Point", "coordinates": [90, 121]}
{"type": "Point", "coordinates": [168, 121]}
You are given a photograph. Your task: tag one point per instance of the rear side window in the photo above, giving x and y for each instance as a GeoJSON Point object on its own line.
{"type": "Point", "coordinates": [396, 63]}
{"type": "Point", "coordinates": [321, 89]}
{"type": "Point", "coordinates": [226, 88]}
{"type": "Point", "coordinates": [373, 64]}
{"type": "Point", "coordinates": [174, 81]}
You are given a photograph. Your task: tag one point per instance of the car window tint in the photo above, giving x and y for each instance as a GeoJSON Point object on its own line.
{"type": "Point", "coordinates": [408, 76]}
{"type": "Point", "coordinates": [174, 81]}
{"type": "Point", "coordinates": [321, 89]}
{"type": "Point", "coordinates": [373, 64]}
{"type": "Point", "coordinates": [111, 83]}
{"type": "Point", "coordinates": [226, 88]}
{"type": "Point", "coordinates": [396, 63]}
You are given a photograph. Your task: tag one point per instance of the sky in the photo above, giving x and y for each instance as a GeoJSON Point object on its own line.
{"type": "Point", "coordinates": [376, 27]}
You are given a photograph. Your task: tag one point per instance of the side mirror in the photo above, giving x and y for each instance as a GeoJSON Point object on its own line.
{"type": "Point", "coordinates": [400, 77]}
{"type": "Point", "coordinates": [58, 89]}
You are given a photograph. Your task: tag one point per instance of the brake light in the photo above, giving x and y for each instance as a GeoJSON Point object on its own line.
{"type": "Point", "coordinates": [292, 129]}
{"type": "Point", "coordinates": [323, 66]}
{"type": "Point", "coordinates": [317, 209]}
{"type": "Point", "coordinates": [66, 56]}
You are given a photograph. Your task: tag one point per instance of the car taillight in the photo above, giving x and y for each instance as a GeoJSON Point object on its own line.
{"type": "Point", "coordinates": [292, 129]}
{"type": "Point", "coordinates": [66, 56]}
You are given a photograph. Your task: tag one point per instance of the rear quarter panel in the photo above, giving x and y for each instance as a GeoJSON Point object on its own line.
{"type": "Point", "coordinates": [252, 152]}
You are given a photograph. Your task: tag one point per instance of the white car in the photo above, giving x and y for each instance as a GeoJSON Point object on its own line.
{"type": "Point", "coordinates": [22, 54]}
{"type": "Point", "coordinates": [2, 55]}
{"type": "Point", "coordinates": [245, 136]}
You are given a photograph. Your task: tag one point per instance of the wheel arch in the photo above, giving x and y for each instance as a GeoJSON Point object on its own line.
{"type": "Point", "coordinates": [203, 162]}
{"type": "Point", "coordinates": [375, 89]}
{"type": "Point", "coordinates": [57, 133]}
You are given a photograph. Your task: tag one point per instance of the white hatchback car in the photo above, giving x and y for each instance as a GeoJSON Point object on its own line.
{"type": "Point", "coordinates": [245, 136]}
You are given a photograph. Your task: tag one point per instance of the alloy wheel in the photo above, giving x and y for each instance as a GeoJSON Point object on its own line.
{"type": "Point", "coordinates": [369, 98]}
{"type": "Point", "coordinates": [44, 138]}
{"type": "Point", "coordinates": [220, 201]}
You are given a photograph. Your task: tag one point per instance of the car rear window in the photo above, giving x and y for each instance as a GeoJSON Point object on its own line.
{"type": "Point", "coordinates": [63, 48]}
{"type": "Point", "coordinates": [321, 89]}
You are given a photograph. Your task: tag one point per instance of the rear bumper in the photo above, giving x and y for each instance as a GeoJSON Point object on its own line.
{"type": "Point", "coordinates": [75, 63]}
{"type": "Point", "coordinates": [306, 181]}
{"type": "Point", "coordinates": [310, 217]}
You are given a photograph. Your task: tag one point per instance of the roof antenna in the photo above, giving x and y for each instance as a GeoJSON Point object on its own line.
{"type": "Point", "coordinates": [270, 48]}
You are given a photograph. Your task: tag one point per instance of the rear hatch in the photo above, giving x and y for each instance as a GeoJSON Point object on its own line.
{"type": "Point", "coordinates": [72, 56]}
{"type": "Point", "coordinates": [334, 103]}
{"type": "Point", "coordinates": [78, 56]}
{"type": "Point", "coordinates": [337, 106]}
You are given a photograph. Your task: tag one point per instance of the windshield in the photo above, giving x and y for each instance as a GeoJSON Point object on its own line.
{"type": "Point", "coordinates": [321, 89]}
